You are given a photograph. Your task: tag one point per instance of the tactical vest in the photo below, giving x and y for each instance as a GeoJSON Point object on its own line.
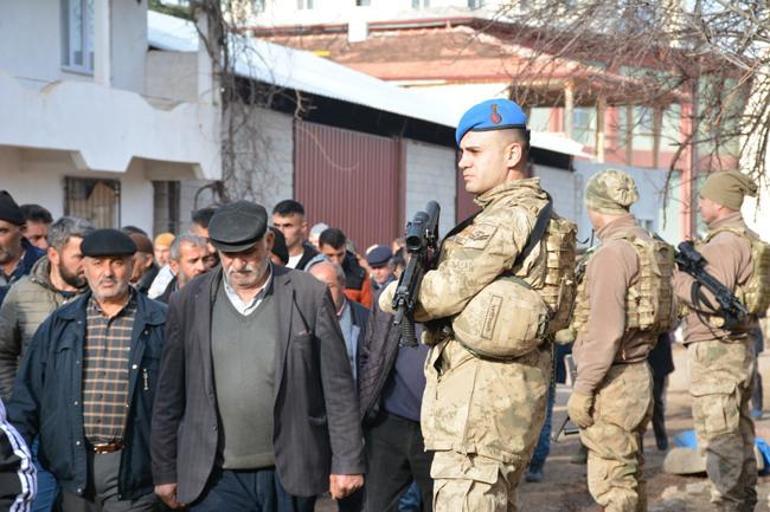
{"type": "Point", "coordinates": [559, 286]}
{"type": "Point", "coordinates": [541, 308]}
{"type": "Point", "coordinates": [755, 293]}
{"type": "Point", "coordinates": [649, 301]}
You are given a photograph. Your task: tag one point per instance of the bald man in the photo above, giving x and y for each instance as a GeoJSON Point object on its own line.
{"type": "Point", "coordinates": [352, 316]}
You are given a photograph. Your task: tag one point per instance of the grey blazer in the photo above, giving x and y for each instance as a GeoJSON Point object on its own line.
{"type": "Point", "coordinates": [316, 427]}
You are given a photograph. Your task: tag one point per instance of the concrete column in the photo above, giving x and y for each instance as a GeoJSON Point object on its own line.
{"type": "Point", "coordinates": [102, 43]}
{"type": "Point", "coordinates": [569, 107]}
{"type": "Point", "coordinates": [601, 110]}
{"type": "Point", "coordinates": [657, 128]}
{"type": "Point", "coordinates": [208, 68]}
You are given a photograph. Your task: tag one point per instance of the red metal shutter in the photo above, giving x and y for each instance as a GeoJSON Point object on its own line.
{"type": "Point", "coordinates": [349, 180]}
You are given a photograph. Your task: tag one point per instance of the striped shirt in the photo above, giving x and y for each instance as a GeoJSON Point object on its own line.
{"type": "Point", "coordinates": [18, 484]}
{"type": "Point", "coordinates": [105, 371]}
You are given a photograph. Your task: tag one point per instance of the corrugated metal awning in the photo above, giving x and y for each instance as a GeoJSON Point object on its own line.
{"type": "Point", "coordinates": [301, 70]}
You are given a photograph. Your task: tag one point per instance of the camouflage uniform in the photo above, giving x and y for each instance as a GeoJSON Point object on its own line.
{"type": "Point", "coordinates": [722, 366]}
{"type": "Point", "coordinates": [482, 417]}
{"type": "Point", "coordinates": [612, 346]}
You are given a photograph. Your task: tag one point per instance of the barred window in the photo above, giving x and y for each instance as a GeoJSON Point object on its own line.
{"type": "Point", "coordinates": [96, 200]}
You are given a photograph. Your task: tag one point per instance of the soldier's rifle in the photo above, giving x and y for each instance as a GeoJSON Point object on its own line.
{"type": "Point", "coordinates": [689, 260]}
{"type": "Point", "coordinates": [422, 245]}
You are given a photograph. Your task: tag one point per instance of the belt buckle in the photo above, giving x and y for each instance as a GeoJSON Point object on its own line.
{"type": "Point", "coordinates": [104, 448]}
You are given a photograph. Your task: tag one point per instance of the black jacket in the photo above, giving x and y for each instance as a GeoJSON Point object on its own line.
{"type": "Point", "coordinates": [316, 428]}
{"type": "Point", "coordinates": [309, 253]}
{"type": "Point", "coordinates": [47, 396]}
{"type": "Point", "coordinates": [375, 361]}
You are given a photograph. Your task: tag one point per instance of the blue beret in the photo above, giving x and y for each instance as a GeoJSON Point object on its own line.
{"type": "Point", "coordinates": [495, 114]}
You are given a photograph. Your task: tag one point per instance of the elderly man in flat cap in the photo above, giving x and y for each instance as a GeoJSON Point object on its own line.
{"type": "Point", "coordinates": [17, 254]}
{"type": "Point", "coordinates": [722, 362]}
{"type": "Point", "coordinates": [256, 408]}
{"type": "Point", "coordinates": [482, 412]}
{"type": "Point", "coordinates": [622, 306]}
{"type": "Point", "coordinates": [87, 383]}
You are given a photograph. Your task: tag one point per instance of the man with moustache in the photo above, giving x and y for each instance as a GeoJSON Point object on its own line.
{"type": "Point", "coordinates": [87, 384]}
{"type": "Point", "coordinates": [252, 332]}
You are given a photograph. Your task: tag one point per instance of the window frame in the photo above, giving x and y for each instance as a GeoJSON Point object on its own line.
{"type": "Point", "coordinates": [86, 38]}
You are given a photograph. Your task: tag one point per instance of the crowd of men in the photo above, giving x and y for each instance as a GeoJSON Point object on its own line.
{"type": "Point", "coordinates": [252, 364]}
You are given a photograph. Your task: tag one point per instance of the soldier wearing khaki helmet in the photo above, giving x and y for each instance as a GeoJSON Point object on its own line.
{"type": "Point", "coordinates": [624, 301]}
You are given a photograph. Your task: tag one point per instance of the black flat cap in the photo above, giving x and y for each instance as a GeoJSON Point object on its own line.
{"type": "Point", "coordinates": [237, 226]}
{"type": "Point", "coordinates": [107, 242]}
{"type": "Point", "coordinates": [9, 210]}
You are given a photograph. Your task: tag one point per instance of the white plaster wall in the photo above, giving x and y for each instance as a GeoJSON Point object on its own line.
{"type": "Point", "coordinates": [128, 25]}
{"type": "Point", "coordinates": [31, 42]}
{"type": "Point", "coordinates": [171, 76]}
{"type": "Point", "coordinates": [107, 127]}
{"type": "Point", "coordinates": [24, 52]}
{"type": "Point", "coordinates": [38, 177]}
{"type": "Point", "coordinates": [430, 175]}
{"type": "Point", "coordinates": [265, 165]}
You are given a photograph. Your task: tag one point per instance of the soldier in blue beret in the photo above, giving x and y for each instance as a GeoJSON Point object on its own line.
{"type": "Point", "coordinates": [482, 412]}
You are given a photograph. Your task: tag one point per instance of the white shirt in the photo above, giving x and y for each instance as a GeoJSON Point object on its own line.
{"type": "Point", "coordinates": [246, 308]}
{"type": "Point", "coordinates": [294, 260]}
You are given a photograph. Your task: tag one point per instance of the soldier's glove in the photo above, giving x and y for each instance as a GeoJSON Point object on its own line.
{"type": "Point", "coordinates": [386, 297]}
{"type": "Point", "coordinates": [579, 409]}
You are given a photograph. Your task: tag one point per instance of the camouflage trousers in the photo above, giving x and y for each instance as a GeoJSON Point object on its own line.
{"type": "Point", "coordinates": [474, 483]}
{"type": "Point", "coordinates": [482, 420]}
{"type": "Point", "coordinates": [622, 410]}
{"type": "Point", "coordinates": [721, 376]}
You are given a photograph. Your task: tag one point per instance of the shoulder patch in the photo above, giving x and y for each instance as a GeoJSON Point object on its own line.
{"type": "Point", "coordinates": [476, 236]}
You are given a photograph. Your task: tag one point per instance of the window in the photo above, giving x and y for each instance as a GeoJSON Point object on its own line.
{"type": "Point", "coordinates": [363, 3]}
{"type": "Point", "coordinates": [96, 200]}
{"type": "Point", "coordinates": [584, 125]}
{"type": "Point", "coordinates": [475, 4]}
{"type": "Point", "coordinates": [643, 128]}
{"type": "Point", "coordinates": [258, 6]}
{"type": "Point", "coordinates": [304, 4]}
{"type": "Point", "coordinates": [78, 35]}
{"type": "Point", "coordinates": [417, 4]}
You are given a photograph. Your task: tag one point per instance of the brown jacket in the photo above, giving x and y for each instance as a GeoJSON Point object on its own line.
{"type": "Point", "coordinates": [729, 261]}
{"type": "Point", "coordinates": [605, 341]}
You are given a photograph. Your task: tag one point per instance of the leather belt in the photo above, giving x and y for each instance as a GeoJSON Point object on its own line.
{"type": "Point", "coordinates": [102, 448]}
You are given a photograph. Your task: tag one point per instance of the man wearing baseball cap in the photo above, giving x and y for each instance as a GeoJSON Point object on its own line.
{"type": "Point", "coordinates": [252, 332]}
{"type": "Point", "coordinates": [87, 382]}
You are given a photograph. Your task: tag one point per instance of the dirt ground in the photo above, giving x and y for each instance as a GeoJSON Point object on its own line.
{"type": "Point", "coordinates": [564, 489]}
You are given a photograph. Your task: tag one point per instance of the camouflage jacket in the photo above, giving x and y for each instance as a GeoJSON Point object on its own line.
{"type": "Point", "coordinates": [473, 405]}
